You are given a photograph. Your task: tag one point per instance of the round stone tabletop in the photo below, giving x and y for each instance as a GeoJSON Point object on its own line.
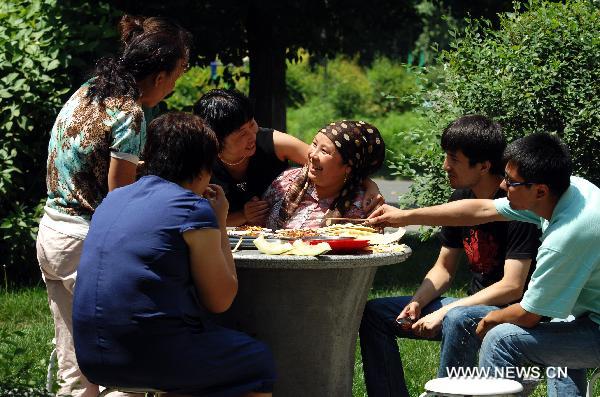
{"type": "Point", "coordinates": [254, 259]}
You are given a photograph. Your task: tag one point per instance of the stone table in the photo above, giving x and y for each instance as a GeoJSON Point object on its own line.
{"type": "Point", "coordinates": [308, 310]}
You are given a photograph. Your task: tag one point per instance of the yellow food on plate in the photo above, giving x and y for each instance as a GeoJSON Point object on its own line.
{"type": "Point", "coordinates": [347, 230]}
{"type": "Point", "coordinates": [386, 238]}
{"type": "Point", "coordinates": [271, 248]}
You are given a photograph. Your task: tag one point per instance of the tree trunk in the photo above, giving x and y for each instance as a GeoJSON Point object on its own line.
{"type": "Point", "coordinates": [267, 70]}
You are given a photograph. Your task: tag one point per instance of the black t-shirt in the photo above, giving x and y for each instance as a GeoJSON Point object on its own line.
{"type": "Point", "coordinates": [263, 168]}
{"type": "Point", "coordinates": [488, 245]}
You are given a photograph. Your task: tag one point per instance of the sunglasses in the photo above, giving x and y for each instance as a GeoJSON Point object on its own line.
{"type": "Point", "coordinates": [510, 183]}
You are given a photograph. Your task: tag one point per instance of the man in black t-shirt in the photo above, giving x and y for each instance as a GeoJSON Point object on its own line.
{"type": "Point", "coordinates": [500, 257]}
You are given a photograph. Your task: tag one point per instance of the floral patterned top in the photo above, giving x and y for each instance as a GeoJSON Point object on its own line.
{"type": "Point", "coordinates": [311, 211]}
{"type": "Point", "coordinates": [83, 139]}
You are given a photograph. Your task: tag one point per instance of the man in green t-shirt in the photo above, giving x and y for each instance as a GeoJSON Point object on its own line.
{"type": "Point", "coordinates": [566, 281]}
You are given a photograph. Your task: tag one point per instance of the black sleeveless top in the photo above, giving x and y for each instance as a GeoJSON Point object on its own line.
{"type": "Point", "coordinates": [263, 168]}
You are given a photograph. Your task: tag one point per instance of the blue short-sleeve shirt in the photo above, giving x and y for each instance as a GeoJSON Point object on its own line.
{"type": "Point", "coordinates": [135, 252]}
{"type": "Point", "coordinates": [566, 279]}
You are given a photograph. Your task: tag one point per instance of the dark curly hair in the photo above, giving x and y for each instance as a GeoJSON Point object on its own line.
{"type": "Point", "coordinates": [179, 146]}
{"type": "Point", "coordinates": [149, 48]}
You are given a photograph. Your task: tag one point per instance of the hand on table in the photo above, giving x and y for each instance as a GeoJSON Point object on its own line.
{"type": "Point", "coordinates": [255, 211]}
{"type": "Point", "coordinates": [386, 215]}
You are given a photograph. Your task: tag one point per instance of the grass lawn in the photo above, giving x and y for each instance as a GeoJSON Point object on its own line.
{"type": "Point", "coordinates": [26, 328]}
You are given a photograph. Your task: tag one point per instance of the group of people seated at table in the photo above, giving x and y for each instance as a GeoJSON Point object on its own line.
{"type": "Point", "coordinates": [150, 254]}
{"type": "Point", "coordinates": [152, 259]}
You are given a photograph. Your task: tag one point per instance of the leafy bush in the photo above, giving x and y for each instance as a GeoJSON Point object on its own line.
{"type": "Point", "coordinates": [382, 93]}
{"type": "Point", "coordinates": [392, 84]}
{"type": "Point", "coordinates": [198, 80]}
{"type": "Point", "coordinates": [539, 72]}
{"type": "Point", "coordinates": [303, 122]}
{"type": "Point", "coordinates": [345, 86]}
{"type": "Point", "coordinates": [45, 45]}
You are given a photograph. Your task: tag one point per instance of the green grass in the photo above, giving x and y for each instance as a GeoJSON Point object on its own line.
{"type": "Point", "coordinates": [26, 334]}
{"type": "Point", "coordinates": [26, 327]}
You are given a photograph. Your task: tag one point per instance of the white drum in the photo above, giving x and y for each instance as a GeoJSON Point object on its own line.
{"type": "Point", "coordinates": [475, 387]}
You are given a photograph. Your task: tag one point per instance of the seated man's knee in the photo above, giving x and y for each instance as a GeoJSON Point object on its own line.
{"type": "Point", "coordinates": [456, 317]}
{"type": "Point", "coordinates": [374, 310]}
{"type": "Point", "coordinates": [499, 340]}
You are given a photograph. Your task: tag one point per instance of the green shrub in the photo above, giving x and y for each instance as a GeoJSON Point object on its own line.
{"type": "Point", "coordinates": [303, 80]}
{"type": "Point", "coordinates": [304, 122]}
{"type": "Point", "coordinates": [45, 45]}
{"type": "Point", "coordinates": [539, 72]}
{"type": "Point", "coordinates": [197, 81]}
{"type": "Point", "coordinates": [392, 85]}
{"type": "Point", "coordinates": [346, 87]}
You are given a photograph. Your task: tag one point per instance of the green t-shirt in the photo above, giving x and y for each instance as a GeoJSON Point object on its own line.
{"type": "Point", "coordinates": [566, 279]}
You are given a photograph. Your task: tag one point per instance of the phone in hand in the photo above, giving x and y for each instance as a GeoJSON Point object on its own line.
{"type": "Point", "coordinates": [404, 323]}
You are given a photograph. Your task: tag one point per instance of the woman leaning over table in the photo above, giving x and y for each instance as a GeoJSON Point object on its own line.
{"type": "Point", "coordinates": [251, 157]}
{"type": "Point", "coordinates": [342, 155]}
{"type": "Point", "coordinates": [141, 311]}
{"type": "Point", "coordinates": [94, 147]}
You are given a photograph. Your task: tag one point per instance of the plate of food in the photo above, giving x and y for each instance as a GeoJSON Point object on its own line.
{"type": "Point", "coordinates": [295, 234]}
{"type": "Point", "coordinates": [342, 245]}
{"type": "Point", "coordinates": [247, 231]}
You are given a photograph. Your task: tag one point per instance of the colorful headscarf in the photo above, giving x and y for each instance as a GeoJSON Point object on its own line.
{"type": "Point", "coordinates": [361, 147]}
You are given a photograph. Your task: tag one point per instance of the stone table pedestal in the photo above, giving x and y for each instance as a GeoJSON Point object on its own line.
{"type": "Point", "coordinates": [308, 310]}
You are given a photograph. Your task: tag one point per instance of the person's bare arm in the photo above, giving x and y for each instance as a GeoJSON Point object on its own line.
{"type": "Point", "coordinates": [435, 283]}
{"type": "Point", "coordinates": [120, 173]}
{"type": "Point", "coordinates": [513, 314]}
{"type": "Point", "coordinates": [508, 289]}
{"type": "Point", "coordinates": [466, 212]}
{"type": "Point", "coordinates": [211, 261]}
{"type": "Point", "coordinates": [290, 148]}
{"type": "Point", "coordinates": [212, 267]}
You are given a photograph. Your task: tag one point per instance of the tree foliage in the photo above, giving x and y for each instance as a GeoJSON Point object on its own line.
{"type": "Point", "coordinates": [42, 58]}
{"type": "Point", "coordinates": [538, 72]}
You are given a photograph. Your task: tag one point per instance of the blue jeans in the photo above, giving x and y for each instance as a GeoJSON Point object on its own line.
{"type": "Point", "coordinates": [382, 364]}
{"type": "Point", "coordinates": [574, 344]}
{"type": "Point", "coordinates": [460, 343]}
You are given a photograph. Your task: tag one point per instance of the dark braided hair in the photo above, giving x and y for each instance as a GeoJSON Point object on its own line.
{"type": "Point", "coordinates": [146, 52]}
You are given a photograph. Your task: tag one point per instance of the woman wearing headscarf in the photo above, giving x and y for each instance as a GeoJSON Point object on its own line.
{"type": "Point", "coordinates": [94, 148]}
{"type": "Point", "coordinates": [342, 155]}
{"type": "Point", "coordinates": [251, 157]}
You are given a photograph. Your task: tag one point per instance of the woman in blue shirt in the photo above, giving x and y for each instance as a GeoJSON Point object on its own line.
{"type": "Point", "coordinates": [155, 262]}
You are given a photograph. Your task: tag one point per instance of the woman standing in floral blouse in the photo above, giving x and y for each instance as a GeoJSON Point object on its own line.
{"type": "Point", "coordinates": [341, 156]}
{"type": "Point", "coordinates": [94, 148]}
